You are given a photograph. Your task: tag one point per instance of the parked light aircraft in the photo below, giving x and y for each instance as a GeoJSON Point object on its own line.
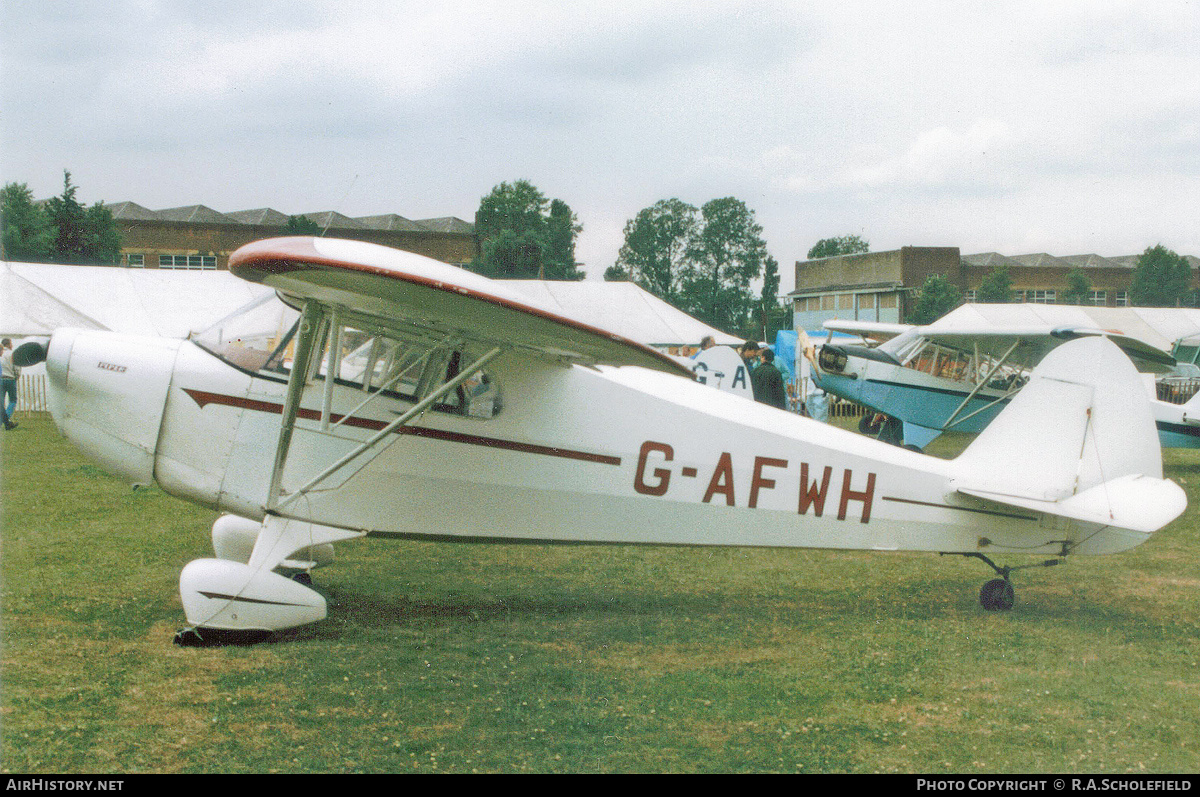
{"type": "Point", "coordinates": [402, 397]}
{"type": "Point", "coordinates": [937, 378]}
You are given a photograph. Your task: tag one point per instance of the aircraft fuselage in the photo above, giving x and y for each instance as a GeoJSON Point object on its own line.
{"type": "Point", "coordinates": [608, 455]}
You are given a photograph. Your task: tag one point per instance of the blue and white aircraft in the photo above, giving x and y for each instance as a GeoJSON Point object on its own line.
{"type": "Point", "coordinates": [931, 379]}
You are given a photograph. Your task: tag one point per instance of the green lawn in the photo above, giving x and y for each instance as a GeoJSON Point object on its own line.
{"type": "Point", "coordinates": [461, 658]}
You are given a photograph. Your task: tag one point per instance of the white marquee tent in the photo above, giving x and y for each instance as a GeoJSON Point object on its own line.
{"type": "Point", "coordinates": [37, 298]}
{"type": "Point", "coordinates": [623, 308]}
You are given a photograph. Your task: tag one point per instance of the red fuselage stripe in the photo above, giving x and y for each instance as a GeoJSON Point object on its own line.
{"type": "Point", "coordinates": [203, 398]}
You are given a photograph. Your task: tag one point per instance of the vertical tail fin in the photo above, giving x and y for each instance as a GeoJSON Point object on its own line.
{"type": "Point", "coordinates": [1078, 441]}
{"type": "Point", "coordinates": [1083, 419]}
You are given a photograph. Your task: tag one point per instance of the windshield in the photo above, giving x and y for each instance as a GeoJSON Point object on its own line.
{"type": "Point", "coordinates": [249, 336]}
{"type": "Point", "coordinates": [904, 345]}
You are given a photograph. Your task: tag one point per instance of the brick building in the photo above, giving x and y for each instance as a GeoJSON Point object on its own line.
{"type": "Point", "coordinates": [198, 237]}
{"type": "Point", "coordinates": [870, 286]}
{"type": "Point", "coordinates": [882, 286]}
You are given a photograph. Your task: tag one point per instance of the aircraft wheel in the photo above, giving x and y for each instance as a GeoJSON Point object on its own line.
{"type": "Point", "coordinates": [870, 423]}
{"type": "Point", "coordinates": [997, 595]}
{"type": "Point", "coordinates": [303, 578]}
{"type": "Point", "coordinates": [892, 431]}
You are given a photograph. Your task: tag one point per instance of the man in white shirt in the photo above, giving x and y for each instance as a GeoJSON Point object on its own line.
{"type": "Point", "coordinates": [8, 383]}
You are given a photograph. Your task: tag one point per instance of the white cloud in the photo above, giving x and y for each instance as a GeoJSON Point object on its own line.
{"type": "Point", "coordinates": [1018, 124]}
{"type": "Point", "coordinates": [943, 156]}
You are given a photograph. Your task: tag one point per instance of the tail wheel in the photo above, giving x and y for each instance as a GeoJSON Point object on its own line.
{"type": "Point", "coordinates": [997, 595]}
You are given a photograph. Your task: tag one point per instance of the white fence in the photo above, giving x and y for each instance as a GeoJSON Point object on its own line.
{"type": "Point", "coordinates": [31, 393]}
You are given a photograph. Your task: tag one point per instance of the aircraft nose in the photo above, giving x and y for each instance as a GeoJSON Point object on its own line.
{"type": "Point", "coordinates": [107, 392]}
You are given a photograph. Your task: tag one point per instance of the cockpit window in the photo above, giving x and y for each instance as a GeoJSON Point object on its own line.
{"type": "Point", "coordinates": [373, 360]}
{"type": "Point", "coordinates": [915, 351]}
{"type": "Point", "coordinates": [261, 338]}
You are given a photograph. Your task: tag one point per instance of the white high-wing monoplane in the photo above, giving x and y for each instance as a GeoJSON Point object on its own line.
{"type": "Point", "coordinates": [403, 397]}
{"type": "Point", "coordinates": [946, 377]}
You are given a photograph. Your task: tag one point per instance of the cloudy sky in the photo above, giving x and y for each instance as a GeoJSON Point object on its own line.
{"type": "Point", "coordinates": [1017, 126]}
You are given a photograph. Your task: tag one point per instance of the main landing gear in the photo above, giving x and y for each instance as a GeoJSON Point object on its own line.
{"type": "Point", "coordinates": [882, 427]}
{"type": "Point", "coordinates": [998, 594]}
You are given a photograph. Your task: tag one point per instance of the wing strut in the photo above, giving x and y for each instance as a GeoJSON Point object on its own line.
{"type": "Point", "coordinates": [979, 386]}
{"type": "Point", "coordinates": [310, 323]}
{"type": "Point", "coordinates": [416, 410]}
{"type": "Point", "coordinates": [333, 366]}
{"type": "Point", "coordinates": [400, 373]}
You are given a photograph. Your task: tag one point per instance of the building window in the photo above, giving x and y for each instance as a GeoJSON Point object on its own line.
{"type": "Point", "coordinates": [1041, 297]}
{"type": "Point", "coordinates": [970, 297]}
{"type": "Point", "coordinates": [866, 301]}
{"type": "Point", "coordinates": [846, 301]}
{"type": "Point", "coordinates": [135, 261]}
{"type": "Point", "coordinates": [191, 262]}
{"type": "Point", "coordinates": [827, 302]}
{"type": "Point", "coordinates": [1121, 299]}
{"type": "Point", "coordinates": [1098, 298]}
{"type": "Point", "coordinates": [887, 301]}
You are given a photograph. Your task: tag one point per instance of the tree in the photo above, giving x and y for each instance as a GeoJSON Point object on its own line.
{"type": "Point", "coordinates": [657, 241]}
{"type": "Point", "coordinates": [27, 235]}
{"type": "Point", "coordinates": [727, 253]}
{"type": "Point", "coordinates": [703, 262]}
{"type": "Point", "coordinates": [301, 225]}
{"type": "Point", "coordinates": [68, 219]}
{"type": "Point", "coordinates": [938, 296]}
{"type": "Point", "coordinates": [1079, 287]}
{"type": "Point", "coordinates": [996, 287]}
{"type": "Point", "coordinates": [1160, 279]}
{"type": "Point", "coordinates": [561, 228]}
{"type": "Point", "coordinates": [81, 235]}
{"type": "Point", "coordinates": [770, 315]}
{"type": "Point", "coordinates": [522, 235]}
{"type": "Point", "coordinates": [103, 238]}
{"type": "Point", "coordinates": [845, 245]}
{"type": "Point", "coordinates": [509, 254]}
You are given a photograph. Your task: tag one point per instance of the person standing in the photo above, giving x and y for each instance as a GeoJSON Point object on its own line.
{"type": "Point", "coordinates": [749, 354]}
{"type": "Point", "coordinates": [8, 383]}
{"type": "Point", "coordinates": [707, 342]}
{"type": "Point", "coordinates": [767, 381]}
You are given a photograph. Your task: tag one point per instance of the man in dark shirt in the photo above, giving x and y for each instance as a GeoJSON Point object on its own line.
{"type": "Point", "coordinates": [767, 382]}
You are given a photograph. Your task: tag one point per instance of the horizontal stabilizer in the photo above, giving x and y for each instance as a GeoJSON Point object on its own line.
{"type": "Point", "coordinates": [1138, 503]}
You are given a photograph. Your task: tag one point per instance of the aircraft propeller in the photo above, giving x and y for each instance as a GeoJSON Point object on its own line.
{"type": "Point", "coordinates": [31, 353]}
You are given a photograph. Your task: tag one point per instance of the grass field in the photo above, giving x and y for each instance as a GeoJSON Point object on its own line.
{"type": "Point", "coordinates": [461, 658]}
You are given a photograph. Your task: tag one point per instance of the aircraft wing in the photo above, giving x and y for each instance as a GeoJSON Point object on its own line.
{"type": "Point", "coordinates": [1038, 341]}
{"type": "Point", "coordinates": [417, 293]}
{"type": "Point", "coordinates": [875, 330]}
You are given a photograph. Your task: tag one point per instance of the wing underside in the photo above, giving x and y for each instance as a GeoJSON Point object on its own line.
{"type": "Point", "coordinates": [419, 295]}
